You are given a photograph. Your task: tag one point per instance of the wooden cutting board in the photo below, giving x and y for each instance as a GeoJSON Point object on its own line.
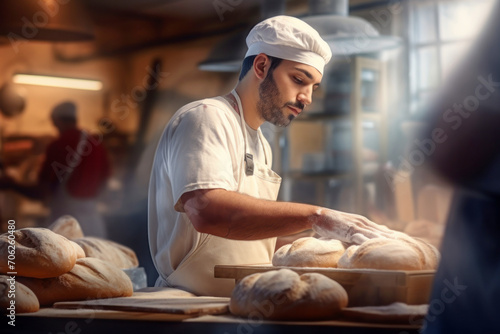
{"type": "Point", "coordinates": [394, 313]}
{"type": "Point", "coordinates": [165, 300]}
{"type": "Point", "coordinates": [364, 287]}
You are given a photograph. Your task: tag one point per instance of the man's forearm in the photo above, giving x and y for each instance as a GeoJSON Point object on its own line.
{"type": "Point", "coordinates": [237, 216]}
{"type": "Point", "coordinates": [232, 215]}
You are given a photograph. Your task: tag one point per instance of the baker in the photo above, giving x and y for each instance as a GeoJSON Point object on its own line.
{"type": "Point", "coordinates": [212, 192]}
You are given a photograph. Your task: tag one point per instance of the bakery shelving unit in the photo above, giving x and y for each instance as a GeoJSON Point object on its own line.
{"type": "Point", "coordinates": [333, 154]}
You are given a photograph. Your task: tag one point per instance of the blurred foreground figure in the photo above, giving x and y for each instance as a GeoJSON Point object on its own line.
{"type": "Point", "coordinates": [466, 150]}
{"type": "Point", "coordinates": [75, 170]}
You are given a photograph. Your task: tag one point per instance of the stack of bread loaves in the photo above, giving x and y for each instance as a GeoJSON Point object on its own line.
{"type": "Point", "coordinates": [50, 267]}
{"type": "Point", "coordinates": [399, 253]}
{"type": "Point", "coordinates": [283, 294]}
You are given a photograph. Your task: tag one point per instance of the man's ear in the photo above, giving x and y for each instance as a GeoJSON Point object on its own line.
{"type": "Point", "coordinates": [261, 65]}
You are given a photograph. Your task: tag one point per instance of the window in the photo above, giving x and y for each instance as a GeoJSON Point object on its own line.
{"type": "Point", "coordinates": [441, 32]}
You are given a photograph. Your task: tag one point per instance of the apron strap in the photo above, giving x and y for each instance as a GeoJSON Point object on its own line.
{"type": "Point", "coordinates": [247, 157]}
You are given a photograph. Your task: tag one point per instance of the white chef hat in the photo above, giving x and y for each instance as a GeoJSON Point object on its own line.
{"type": "Point", "coordinates": [289, 38]}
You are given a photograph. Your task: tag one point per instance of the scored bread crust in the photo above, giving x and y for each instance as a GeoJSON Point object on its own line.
{"type": "Point", "coordinates": [90, 278]}
{"type": "Point", "coordinates": [285, 295]}
{"type": "Point", "coordinates": [404, 253]}
{"type": "Point", "coordinates": [25, 300]}
{"type": "Point", "coordinates": [67, 226]}
{"type": "Point", "coordinates": [309, 252]}
{"type": "Point", "coordinates": [121, 256]}
{"type": "Point", "coordinates": [40, 253]}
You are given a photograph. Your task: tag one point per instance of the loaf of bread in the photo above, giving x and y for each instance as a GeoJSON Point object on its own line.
{"type": "Point", "coordinates": [90, 278]}
{"type": "Point", "coordinates": [39, 253]}
{"type": "Point", "coordinates": [24, 299]}
{"type": "Point", "coordinates": [284, 295]}
{"type": "Point", "coordinates": [309, 252]}
{"type": "Point", "coordinates": [68, 227]}
{"type": "Point", "coordinates": [405, 253]}
{"type": "Point", "coordinates": [110, 251]}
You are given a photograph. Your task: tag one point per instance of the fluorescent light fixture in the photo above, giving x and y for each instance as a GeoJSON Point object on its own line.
{"type": "Point", "coordinates": [42, 80]}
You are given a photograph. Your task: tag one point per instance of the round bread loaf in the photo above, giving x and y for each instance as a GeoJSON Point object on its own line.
{"type": "Point", "coordinates": [68, 227]}
{"type": "Point", "coordinates": [309, 252]}
{"type": "Point", "coordinates": [110, 251]}
{"type": "Point", "coordinates": [428, 253]}
{"type": "Point", "coordinates": [90, 278]}
{"type": "Point", "coordinates": [40, 253]}
{"type": "Point", "coordinates": [390, 254]}
{"type": "Point", "coordinates": [284, 295]}
{"type": "Point", "coordinates": [25, 300]}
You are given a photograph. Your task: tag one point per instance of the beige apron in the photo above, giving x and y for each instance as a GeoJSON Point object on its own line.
{"type": "Point", "coordinates": [196, 272]}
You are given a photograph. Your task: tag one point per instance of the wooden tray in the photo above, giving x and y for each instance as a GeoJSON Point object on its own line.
{"type": "Point", "coordinates": [365, 287]}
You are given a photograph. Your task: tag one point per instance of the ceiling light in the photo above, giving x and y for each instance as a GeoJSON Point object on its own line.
{"type": "Point", "coordinates": [42, 80]}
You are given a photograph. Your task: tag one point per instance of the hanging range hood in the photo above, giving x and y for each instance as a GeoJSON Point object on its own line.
{"type": "Point", "coordinates": [228, 54]}
{"type": "Point", "coordinates": [346, 35]}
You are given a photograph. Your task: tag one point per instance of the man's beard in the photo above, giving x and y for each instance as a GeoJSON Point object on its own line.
{"type": "Point", "coordinates": [268, 105]}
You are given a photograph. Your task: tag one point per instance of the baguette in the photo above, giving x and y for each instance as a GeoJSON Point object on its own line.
{"type": "Point", "coordinates": [39, 253]}
{"type": "Point", "coordinates": [121, 256]}
{"type": "Point", "coordinates": [90, 278]}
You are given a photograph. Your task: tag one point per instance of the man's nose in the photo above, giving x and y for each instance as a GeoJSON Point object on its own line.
{"type": "Point", "coordinates": [305, 96]}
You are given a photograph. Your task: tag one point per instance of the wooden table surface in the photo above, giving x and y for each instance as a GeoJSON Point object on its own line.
{"type": "Point", "coordinates": [57, 321]}
{"type": "Point", "coordinates": [97, 320]}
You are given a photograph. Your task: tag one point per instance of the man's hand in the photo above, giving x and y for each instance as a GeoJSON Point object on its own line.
{"type": "Point", "coordinates": [348, 227]}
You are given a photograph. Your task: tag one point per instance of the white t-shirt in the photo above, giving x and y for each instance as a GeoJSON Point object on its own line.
{"type": "Point", "coordinates": [202, 147]}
